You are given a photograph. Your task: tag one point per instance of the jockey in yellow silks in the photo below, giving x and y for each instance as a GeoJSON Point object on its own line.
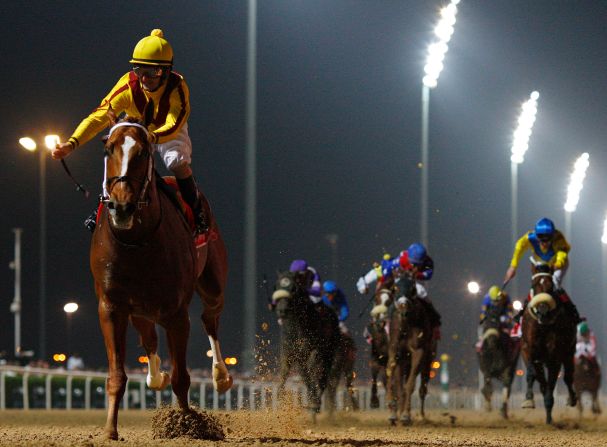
{"type": "Point", "coordinates": [151, 82]}
{"type": "Point", "coordinates": [547, 245]}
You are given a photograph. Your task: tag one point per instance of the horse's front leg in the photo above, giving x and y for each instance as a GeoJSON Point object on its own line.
{"type": "Point", "coordinates": [553, 373]}
{"type": "Point", "coordinates": [529, 402]}
{"type": "Point", "coordinates": [392, 381]}
{"type": "Point", "coordinates": [375, 367]}
{"type": "Point", "coordinates": [113, 321]}
{"type": "Point", "coordinates": [178, 331]}
{"type": "Point", "coordinates": [568, 369]}
{"type": "Point", "coordinates": [416, 358]}
{"type": "Point", "coordinates": [156, 379]}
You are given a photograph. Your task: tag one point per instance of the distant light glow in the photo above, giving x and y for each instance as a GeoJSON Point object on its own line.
{"type": "Point", "coordinates": [604, 237]}
{"type": "Point", "coordinates": [576, 183]}
{"type": "Point", "coordinates": [517, 305]}
{"type": "Point", "coordinates": [27, 143]}
{"type": "Point", "coordinates": [70, 308]}
{"type": "Point", "coordinates": [437, 50]}
{"type": "Point", "coordinates": [50, 141]}
{"type": "Point", "coordinates": [522, 133]}
{"type": "Point", "coordinates": [473, 287]}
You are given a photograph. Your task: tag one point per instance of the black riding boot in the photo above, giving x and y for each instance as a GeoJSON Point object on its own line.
{"type": "Point", "coordinates": [189, 192]}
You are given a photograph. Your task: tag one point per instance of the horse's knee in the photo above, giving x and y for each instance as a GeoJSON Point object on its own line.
{"type": "Point", "coordinates": [116, 383]}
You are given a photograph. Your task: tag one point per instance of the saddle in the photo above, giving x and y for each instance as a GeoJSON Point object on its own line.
{"type": "Point", "coordinates": [168, 185]}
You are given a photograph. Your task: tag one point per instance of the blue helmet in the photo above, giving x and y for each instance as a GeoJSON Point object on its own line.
{"type": "Point", "coordinates": [299, 265]}
{"type": "Point", "coordinates": [329, 287]}
{"type": "Point", "coordinates": [544, 227]}
{"type": "Point", "coordinates": [417, 253]}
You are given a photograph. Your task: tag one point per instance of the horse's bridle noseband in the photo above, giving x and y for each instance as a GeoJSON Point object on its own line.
{"type": "Point", "coordinates": [109, 183]}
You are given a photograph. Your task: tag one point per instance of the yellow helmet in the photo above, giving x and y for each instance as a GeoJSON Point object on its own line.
{"type": "Point", "coordinates": [153, 50]}
{"type": "Point", "coordinates": [494, 293]}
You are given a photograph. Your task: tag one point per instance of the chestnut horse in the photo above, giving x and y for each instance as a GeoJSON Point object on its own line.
{"type": "Point", "coordinates": [587, 378]}
{"type": "Point", "coordinates": [411, 350]}
{"type": "Point", "coordinates": [548, 340]}
{"type": "Point", "coordinates": [146, 267]}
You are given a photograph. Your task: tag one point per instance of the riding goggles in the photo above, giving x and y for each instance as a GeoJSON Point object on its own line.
{"type": "Point", "coordinates": [544, 238]}
{"type": "Point", "coordinates": [148, 71]}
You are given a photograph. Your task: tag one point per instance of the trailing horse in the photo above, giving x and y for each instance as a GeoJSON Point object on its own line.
{"type": "Point", "coordinates": [146, 267]}
{"type": "Point", "coordinates": [309, 339]}
{"type": "Point", "coordinates": [411, 350]}
{"type": "Point", "coordinates": [497, 358]}
{"type": "Point", "coordinates": [377, 335]}
{"type": "Point", "coordinates": [548, 340]}
{"type": "Point", "coordinates": [587, 379]}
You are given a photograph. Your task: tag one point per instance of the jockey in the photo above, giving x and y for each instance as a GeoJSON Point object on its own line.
{"type": "Point", "coordinates": [416, 260]}
{"type": "Point", "coordinates": [150, 82]}
{"type": "Point", "coordinates": [494, 298]}
{"type": "Point", "coordinates": [586, 343]}
{"type": "Point", "coordinates": [308, 278]}
{"type": "Point", "coordinates": [335, 299]}
{"type": "Point", "coordinates": [548, 245]}
{"type": "Point", "coordinates": [380, 273]}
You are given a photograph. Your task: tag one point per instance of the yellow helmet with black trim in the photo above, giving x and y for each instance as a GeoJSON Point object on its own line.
{"type": "Point", "coordinates": [153, 50]}
{"type": "Point", "coordinates": [494, 293]}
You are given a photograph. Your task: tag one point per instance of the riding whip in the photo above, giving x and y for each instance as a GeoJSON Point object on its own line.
{"type": "Point", "coordinates": [79, 186]}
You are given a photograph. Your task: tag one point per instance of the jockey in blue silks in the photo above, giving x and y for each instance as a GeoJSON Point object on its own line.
{"type": "Point", "coordinates": [335, 299]}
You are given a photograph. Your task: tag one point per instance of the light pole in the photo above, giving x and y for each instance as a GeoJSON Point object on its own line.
{"type": "Point", "coordinates": [250, 244]}
{"type": "Point", "coordinates": [333, 239]}
{"type": "Point", "coordinates": [50, 142]}
{"type": "Point", "coordinates": [576, 183]}
{"type": "Point", "coordinates": [16, 304]}
{"type": "Point", "coordinates": [520, 144]}
{"type": "Point", "coordinates": [603, 311]}
{"type": "Point", "coordinates": [434, 65]}
{"type": "Point", "coordinates": [69, 310]}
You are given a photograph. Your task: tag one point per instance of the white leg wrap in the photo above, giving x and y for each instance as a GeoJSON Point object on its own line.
{"type": "Point", "coordinates": [154, 378]}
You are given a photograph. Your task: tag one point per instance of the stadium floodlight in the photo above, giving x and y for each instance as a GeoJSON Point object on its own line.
{"type": "Point", "coordinates": [576, 183]}
{"type": "Point", "coordinates": [437, 50]}
{"type": "Point", "coordinates": [524, 128]}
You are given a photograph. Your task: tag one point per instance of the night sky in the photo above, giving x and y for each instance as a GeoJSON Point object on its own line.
{"type": "Point", "coordinates": [338, 143]}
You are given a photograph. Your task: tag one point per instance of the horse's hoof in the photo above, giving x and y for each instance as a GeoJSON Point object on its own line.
{"type": "Point", "coordinates": [111, 433]}
{"type": "Point", "coordinates": [405, 420]}
{"type": "Point", "coordinates": [528, 404]}
{"type": "Point", "coordinates": [222, 380]}
{"type": "Point", "coordinates": [504, 413]}
{"type": "Point", "coordinates": [159, 383]}
{"type": "Point", "coordinates": [572, 401]}
{"type": "Point", "coordinates": [374, 402]}
{"type": "Point", "coordinates": [392, 420]}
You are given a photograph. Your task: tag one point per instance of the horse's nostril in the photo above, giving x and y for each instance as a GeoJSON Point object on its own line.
{"type": "Point", "coordinates": [111, 205]}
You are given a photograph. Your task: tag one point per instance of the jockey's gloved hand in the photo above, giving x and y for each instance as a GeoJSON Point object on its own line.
{"type": "Point", "coordinates": [342, 327]}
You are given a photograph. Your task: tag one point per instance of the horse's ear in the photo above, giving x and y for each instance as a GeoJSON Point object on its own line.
{"type": "Point", "coordinates": [148, 113]}
{"type": "Point", "coordinates": [111, 115]}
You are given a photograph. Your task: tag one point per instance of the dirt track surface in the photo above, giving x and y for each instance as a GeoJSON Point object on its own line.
{"type": "Point", "coordinates": [291, 428]}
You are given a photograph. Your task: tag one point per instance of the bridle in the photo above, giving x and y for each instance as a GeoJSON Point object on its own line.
{"type": "Point", "coordinates": [539, 275]}
{"type": "Point", "coordinates": [109, 183]}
